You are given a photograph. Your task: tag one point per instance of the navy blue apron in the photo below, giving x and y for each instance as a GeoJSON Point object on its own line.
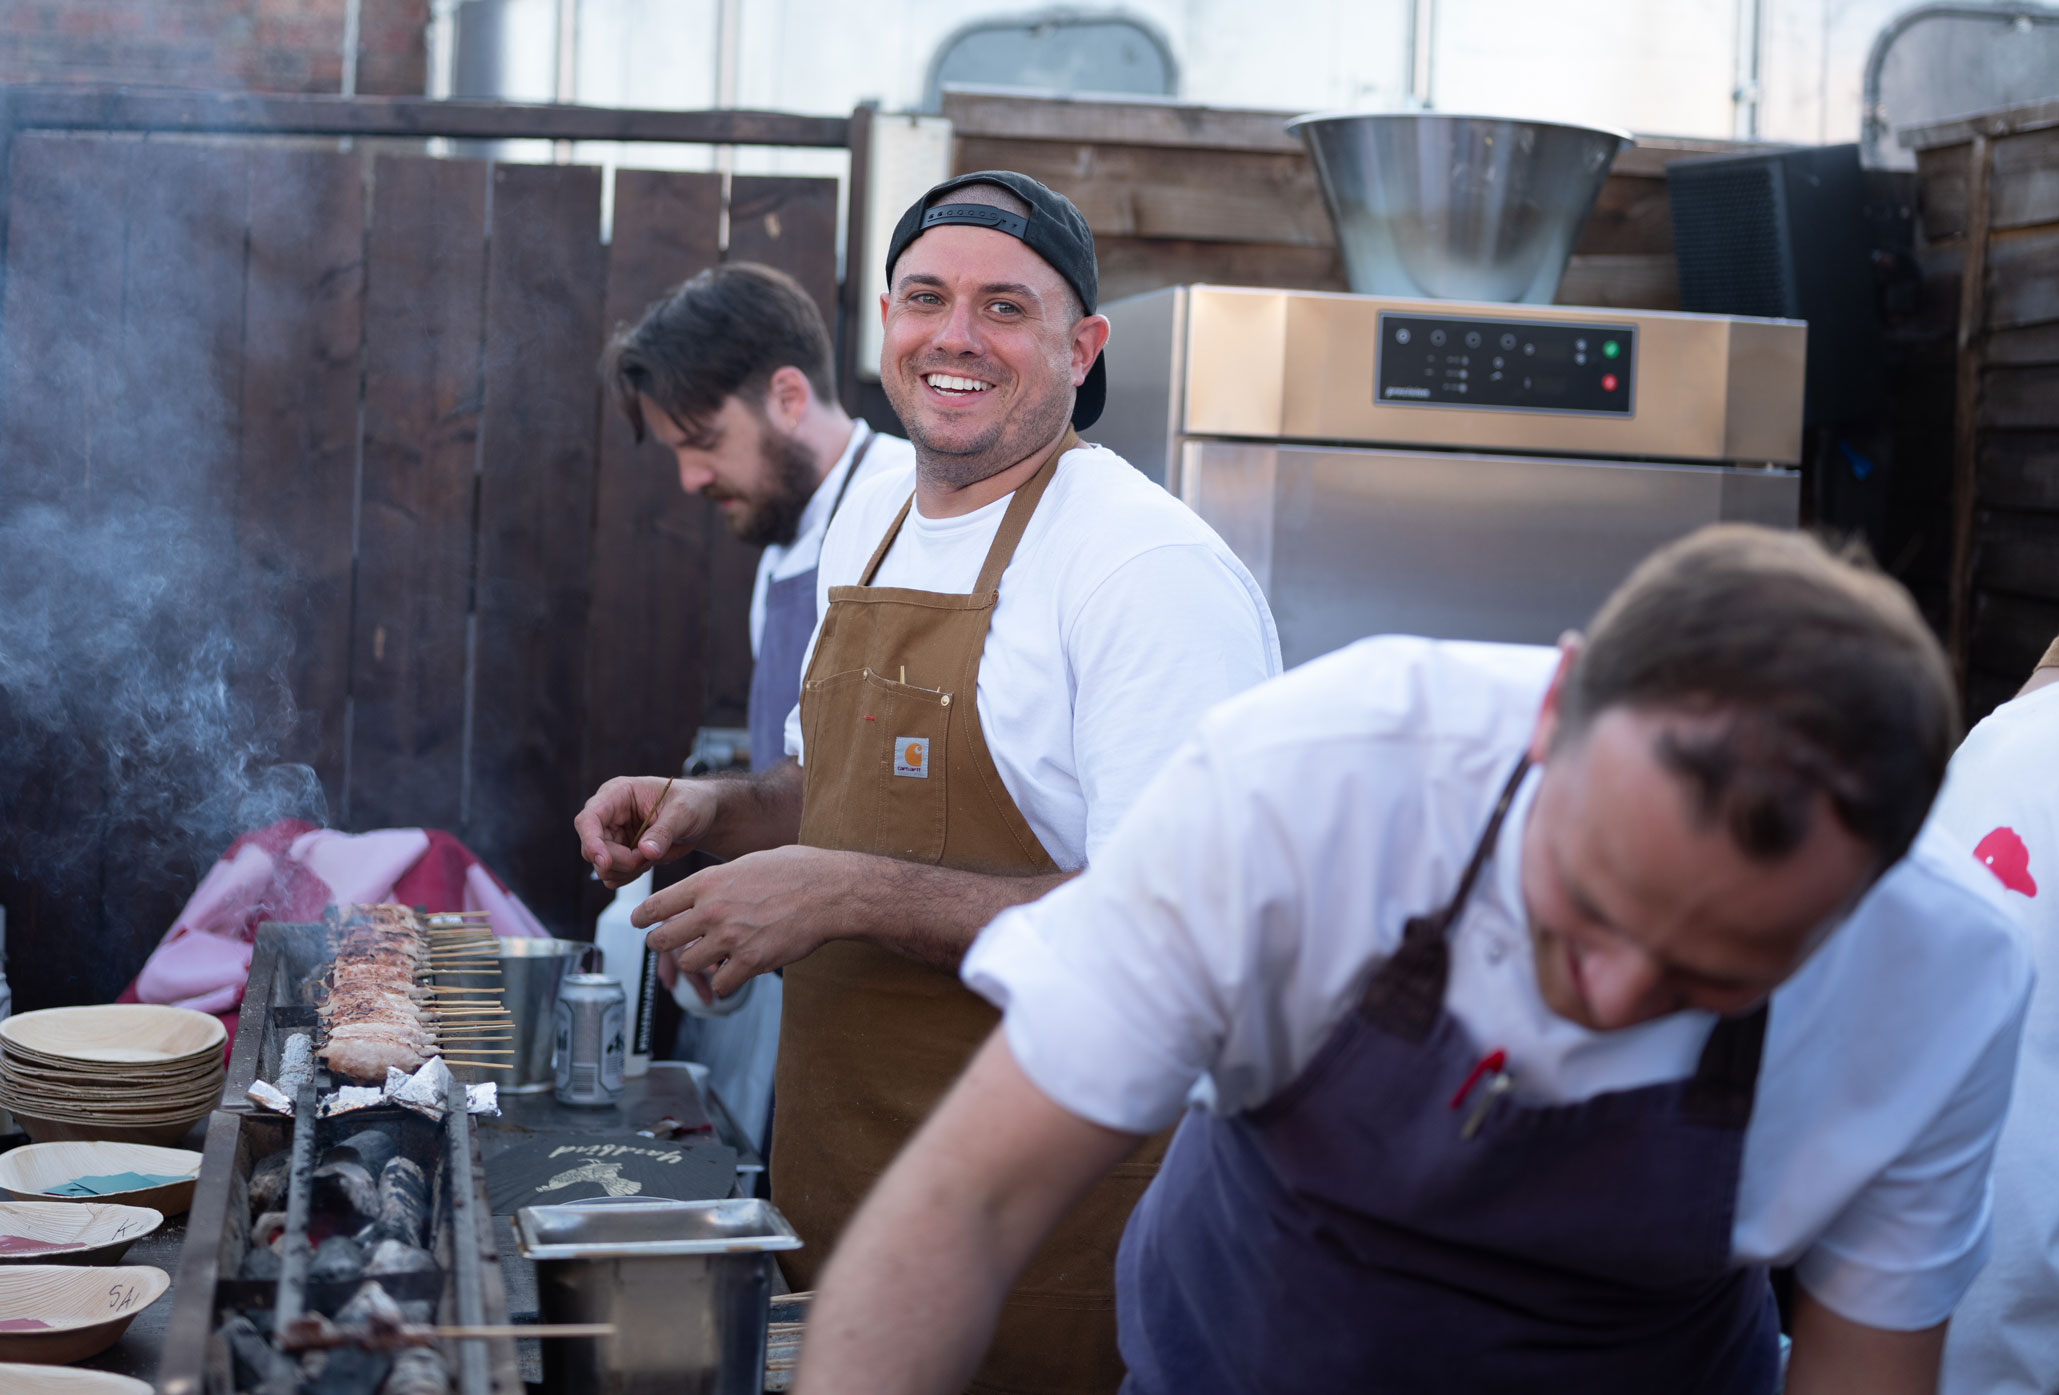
{"type": "Point", "coordinates": [783, 644]}
{"type": "Point", "coordinates": [1348, 1236]}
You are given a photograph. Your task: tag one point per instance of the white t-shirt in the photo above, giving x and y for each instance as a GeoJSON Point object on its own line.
{"type": "Point", "coordinates": [2001, 802]}
{"type": "Point", "coordinates": [1237, 914]}
{"type": "Point", "coordinates": [1122, 618]}
{"type": "Point", "coordinates": [777, 563]}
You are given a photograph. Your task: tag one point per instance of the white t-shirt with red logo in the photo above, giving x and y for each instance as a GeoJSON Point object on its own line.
{"type": "Point", "coordinates": [2001, 800]}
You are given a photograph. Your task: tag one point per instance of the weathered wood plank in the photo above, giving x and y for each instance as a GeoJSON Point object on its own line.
{"type": "Point", "coordinates": [2021, 398]}
{"type": "Point", "coordinates": [261, 113]}
{"type": "Point", "coordinates": [2020, 470]}
{"type": "Point", "coordinates": [1153, 191]}
{"type": "Point", "coordinates": [297, 487]}
{"type": "Point", "coordinates": [2010, 633]}
{"type": "Point", "coordinates": [2026, 116]}
{"type": "Point", "coordinates": [1632, 217]}
{"type": "Point", "coordinates": [1132, 265]}
{"type": "Point", "coordinates": [59, 335]}
{"type": "Point", "coordinates": [2027, 178]}
{"type": "Point", "coordinates": [2024, 345]}
{"type": "Point", "coordinates": [2017, 553]}
{"type": "Point", "coordinates": [1638, 281]}
{"type": "Point", "coordinates": [976, 112]}
{"type": "Point", "coordinates": [1968, 340]}
{"type": "Point", "coordinates": [2023, 276]}
{"type": "Point", "coordinates": [172, 443]}
{"type": "Point", "coordinates": [62, 315]}
{"type": "Point", "coordinates": [789, 223]}
{"type": "Point", "coordinates": [645, 639]}
{"type": "Point", "coordinates": [544, 283]}
{"type": "Point", "coordinates": [1941, 192]}
{"type": "Point", "coordinates": [424, 283]}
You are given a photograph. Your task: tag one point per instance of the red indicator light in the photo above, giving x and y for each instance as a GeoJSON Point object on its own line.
{"type": "Point", "coordinates": [1608, 382]}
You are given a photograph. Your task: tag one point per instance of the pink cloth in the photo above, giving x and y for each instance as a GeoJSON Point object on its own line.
{"type": "Point", "coordinates": [292, 871]}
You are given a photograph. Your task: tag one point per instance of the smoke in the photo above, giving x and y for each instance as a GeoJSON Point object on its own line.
{"type": "Point", "coordinates": [142, 692]}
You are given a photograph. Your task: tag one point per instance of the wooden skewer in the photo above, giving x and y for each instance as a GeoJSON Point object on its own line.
{"type": "Point", "coordinates": [461, 988]}
{"type": "Point", "coordinates": [541, 1329]}
{"type": "Point", "coordinates": [482, 1065]}
{"type": "Point", "coordinates": [652, 816]}
{"type": "Point", "coordinates": [486, 1051]}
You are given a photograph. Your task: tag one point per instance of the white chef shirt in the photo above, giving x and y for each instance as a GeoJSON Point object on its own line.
{"type": "Point", "coordinates": [2001, 801]}
{"type": "Point", "coordinates": [1237, 914]}
{"type": "Point", "coordinates": [777, 562]}
{"type": "Point", "coordinates": [1122, 618]}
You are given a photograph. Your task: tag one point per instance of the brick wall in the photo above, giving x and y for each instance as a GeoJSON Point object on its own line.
{"type": "Point", "coordinates": [254, 45]}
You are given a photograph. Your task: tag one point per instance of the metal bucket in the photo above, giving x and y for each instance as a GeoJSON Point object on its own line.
{"type": "Point", "coordinates": [1457, 207]}
{"type": "Point", "coordinates": [687, 1285]}
{"type": "Point", "coordinates": [530, 972]}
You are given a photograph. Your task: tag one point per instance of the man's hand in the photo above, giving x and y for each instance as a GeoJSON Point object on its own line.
{"type": "Point", "coordinates": [753, 915]}
{"type": "Point", "coordinates": [628, 806]}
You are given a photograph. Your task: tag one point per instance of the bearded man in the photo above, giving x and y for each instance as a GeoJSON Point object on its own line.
{"type": "Point", "coordinates": [730, 373]}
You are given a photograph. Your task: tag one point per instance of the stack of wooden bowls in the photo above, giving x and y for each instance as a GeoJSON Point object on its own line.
{"type": "Point", "coordinates": [129, 1072]}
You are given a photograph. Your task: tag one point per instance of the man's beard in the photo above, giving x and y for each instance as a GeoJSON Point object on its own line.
{"type": "Point", "coordinates": [1008, 442]}
{"type": "Point", "coordinates": [773, 519]}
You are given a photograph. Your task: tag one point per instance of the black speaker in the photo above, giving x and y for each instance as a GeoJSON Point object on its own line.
{"type": "Point", "coordinates": [1788, 234]}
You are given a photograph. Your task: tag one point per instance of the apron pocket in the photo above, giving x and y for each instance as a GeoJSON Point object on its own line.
{"type": "Point", "coordinates": [883, 752]}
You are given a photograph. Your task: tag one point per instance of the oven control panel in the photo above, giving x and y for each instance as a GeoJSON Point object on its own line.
{"type": "Point", "coordinates": [1506, 365]}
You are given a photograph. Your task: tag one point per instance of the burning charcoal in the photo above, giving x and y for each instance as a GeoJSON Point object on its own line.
{"type": "Point", "coordinates": [403, 1203]}
{"type": "Point", "coordinates": [398, 1257]}
{"type": "Point", "coordinates": [268, 1183]}
{"type": "Point", "coordinates": [347, 1188]}
{"type": "Point", "coordinates": [369, 1149]}
{"type": "Point", "coordinates": [266, 1230]}
{"type": "Point", "coordinates": [344, 1371]}
{"type": "Point", "coordinates": [371, 1306]}
{"type": "Point", "coordinates": [337, 1259]}
{"type": "Point", "coordinates": [249, 1350]}
{"type": "Point", "coordinates": [296, 1064]}
{"type": "Point", "coordinates": [260, 1263]}
{"type": "Point", "coordinates": [417, 1371]}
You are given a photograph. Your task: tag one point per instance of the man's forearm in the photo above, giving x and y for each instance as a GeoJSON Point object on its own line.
{"type": "Point", "coordinates": [754, 812]}
{"type": "Point", "coordinates": [930, 914]}
{"type": "Point", "coordinates": [1836, 1356]}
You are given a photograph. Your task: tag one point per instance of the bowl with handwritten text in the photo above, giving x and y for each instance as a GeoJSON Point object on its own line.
{"type": "Point", "coordinates": [59, 1313]}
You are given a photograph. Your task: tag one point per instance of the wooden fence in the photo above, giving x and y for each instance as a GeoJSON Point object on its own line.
{"type": "Point", "coordinates": [380, 369]}
{"type": "Point", "coordinates": [1989, 199]}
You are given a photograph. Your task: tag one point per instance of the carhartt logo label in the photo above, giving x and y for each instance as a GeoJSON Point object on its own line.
{"type": "Point", "coordinates": [911, 756]}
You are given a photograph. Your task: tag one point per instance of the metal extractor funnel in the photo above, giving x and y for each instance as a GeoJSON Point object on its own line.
{"type": "Point", "coordinates": [1457, 207]}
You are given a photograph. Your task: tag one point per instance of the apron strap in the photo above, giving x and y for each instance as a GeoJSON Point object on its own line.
{"type": "Point", "coordinates": [1407, 992]}
{"type": "Point", "coordinates": [1016, 520]}
{"type": "Point", "coordinates": [1020, 507]}
{"type": "Point", "coordinates": [857, 464]}
{"type": "Point", "coordinates": [1726, 1081]}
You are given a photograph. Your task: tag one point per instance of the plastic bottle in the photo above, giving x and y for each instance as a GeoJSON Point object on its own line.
{"type": "Point", "coordinates": [625, 957]}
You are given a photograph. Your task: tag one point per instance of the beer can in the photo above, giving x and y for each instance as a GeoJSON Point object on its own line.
{"type": "Point", "coordinates": [592, 1026]}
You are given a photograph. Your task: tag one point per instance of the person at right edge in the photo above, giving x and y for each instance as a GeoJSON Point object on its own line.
{"type": "Point", "coordinates": [1542, 1000]}
{"type": "Point", "coordinates": [1016, 633]}
{"type": "Point", "coordinates": [2001, 803]}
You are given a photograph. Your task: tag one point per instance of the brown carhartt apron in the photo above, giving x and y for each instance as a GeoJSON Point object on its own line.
{"type": "Point", "coordinates": [896, 765]}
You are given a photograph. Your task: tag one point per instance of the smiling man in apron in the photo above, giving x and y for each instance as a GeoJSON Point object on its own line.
{"type": "Point", "coordinates": [1540, 1001]}
{"type": "Point", "coordinates": [730, 372]}
{"type": "Point", "coordinates": [1016, 634]}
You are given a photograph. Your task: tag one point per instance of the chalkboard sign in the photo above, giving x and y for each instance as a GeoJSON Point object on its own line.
{"type": "Point", "coordinates": [551, 1169]}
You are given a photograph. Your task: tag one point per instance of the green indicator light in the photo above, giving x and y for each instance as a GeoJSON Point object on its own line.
{"type": "Point", "coordinates": [1611, 349]}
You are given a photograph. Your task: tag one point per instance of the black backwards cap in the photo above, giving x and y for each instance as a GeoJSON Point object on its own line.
{"type": "Point", "coordinates": [1054, 230]}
